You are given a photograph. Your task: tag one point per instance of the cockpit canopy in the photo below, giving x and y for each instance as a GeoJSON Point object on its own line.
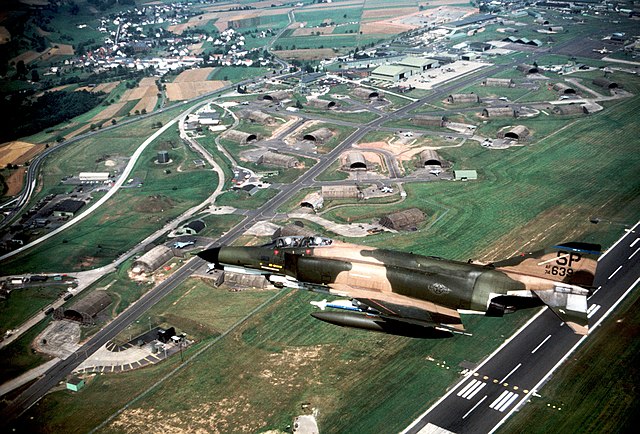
{"type": "Point", "coordinates": [295, 241]}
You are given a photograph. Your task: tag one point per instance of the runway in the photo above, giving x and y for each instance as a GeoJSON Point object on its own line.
{"type": "Point", "coordinates": [487, 396]}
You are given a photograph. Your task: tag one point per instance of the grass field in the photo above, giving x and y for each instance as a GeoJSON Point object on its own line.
{"type": "Point", "coordinates": [18, 357]}
{"type": "Point", "coordinates": [133, 215]}
{"type": "Point", "coordinates": [22, 304]}
{"type": "Point", "coordinates": [594, 394]}
{"type": "Point", "coordinates": [243, 200]}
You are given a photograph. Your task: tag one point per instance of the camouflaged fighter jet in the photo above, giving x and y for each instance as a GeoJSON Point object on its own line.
{"type": "Point", "coordinates": [420, 296]}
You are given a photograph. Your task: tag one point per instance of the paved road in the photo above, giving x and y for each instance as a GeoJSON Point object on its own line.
{"type": "Point", "coordinates": [486, 397]}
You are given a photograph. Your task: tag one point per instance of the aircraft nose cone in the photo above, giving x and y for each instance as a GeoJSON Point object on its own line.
{"type": "Point", "coordinates": [210, 255]}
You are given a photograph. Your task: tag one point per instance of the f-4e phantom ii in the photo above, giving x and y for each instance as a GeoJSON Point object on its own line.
{"type": "Point", "coordinates": [419, 296]}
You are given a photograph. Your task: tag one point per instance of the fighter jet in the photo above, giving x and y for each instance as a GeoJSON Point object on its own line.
{"type": "Point", "coordinates": [419, 296]}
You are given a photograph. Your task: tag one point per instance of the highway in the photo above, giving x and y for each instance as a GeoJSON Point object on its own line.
{"type": "Point", "coordinates": [483, 400]}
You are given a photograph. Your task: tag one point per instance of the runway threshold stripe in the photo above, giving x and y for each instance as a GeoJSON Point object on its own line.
{"type": "Point", "coordinates": [614, 273]}
{"type": "Point", "coordinates": [505, 395]}
{"type": "Point", "coordinates": [468, 386]}
{"type": "Point", "coordinates": [475, 392]}
{"type": "Point", "coordinates": [635, 242]}
{"type": "Point", "coordinates": [541, 344]}
{"type": "Point", "coordinates": [593, 311]}
{"type": "Point", "coordinates": [634, 253]}
{"type": "Point", "coordinates": [474, 407]}
{"type": "Point", "coordinates": [473, 389]}
{"type": "Point", "coordinates": [506, 405]}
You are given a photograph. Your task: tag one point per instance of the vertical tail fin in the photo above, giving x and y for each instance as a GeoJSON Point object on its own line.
{"type": "Point", "coordinates": [571, 263]}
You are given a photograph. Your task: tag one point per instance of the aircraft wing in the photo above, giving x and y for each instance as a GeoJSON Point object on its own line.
{"type": "Point", "coordinates": [401, 308]}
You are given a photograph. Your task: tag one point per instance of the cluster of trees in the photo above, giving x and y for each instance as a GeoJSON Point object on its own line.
{"type": "Point", "coordinates": [50, 109]}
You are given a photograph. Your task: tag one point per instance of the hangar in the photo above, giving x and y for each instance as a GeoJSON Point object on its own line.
{"type": "Point", "coordinates": [528, 69]}
{"type": "Point", "coordinates": [278, 96]}
{"type": "Point", "coordinates": [607, 84]}
{"type": "Point", "coordinates": [391, 73]}
{"type": "Point", "coordinates": [363, 93]}
{"type": "Point", "coordinates": [462, 98]}
{"type": "Point", "coordinates": [564, 89]}
{"type": "Point", "coordinates": [418, 64]}
{"type": "Point", "coordinates": [84, 311]}
{"type": "Point", "coordinates": [429, 157]}
{"type": "Point", "coordinates": [313, 200]}
{"type": "Point", "coordinates": [293, 230]}
{"type": "Point", "coordinates": [257, 116]}
{"type": "Point", "coordinates": [321, 135]}
{"type": "Point", "coordinates": [356, 161]}
{"type": "Point", "coordinates": [320, 103]}
{"type": "Point", "coordinates": [569, 109]}
{"type": "Point", "coordinates": [403, 220]}
{"type": "Point", "coordinates": [498, 82]}
{"type": "Point", "coordinates": [275, 159]}
{"type": "Point", "coordinates": [519, 133]}
{"type": "Point", "coordinates": [153, 259]}
{"type": "Point", "coordinates": [341, 192]}
{"type": "Point", "coordinates": [430, 121]}
{"type": "Point", "coordinates": [240, 136]}
{"type": "Point", "coordinates": [497, 112]}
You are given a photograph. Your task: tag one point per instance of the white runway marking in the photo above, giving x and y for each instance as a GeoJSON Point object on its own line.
{"type": "Point", "coordinates": [541, 344]}
{"type": "Point", "coordinates": [592, 310]}
{"type": "Point", "coordinates": [509, 374]}
{"type": "Point", "coordinates": [471, 389]}
{"type": "Point", "coordinates": [475, 392]}
{"type": "Point", "coordinates": [474, 407]}
{"type": "Point", "coordinates": [506, 405]}
{"type": "Point", "coordinates": [614, 273]}
{"type": "Point", "coordinates": [634, 253]}
{"type": "Point", "coordinates": [635, 242]}
{"type": "Point", "coordinates": [504, 401]}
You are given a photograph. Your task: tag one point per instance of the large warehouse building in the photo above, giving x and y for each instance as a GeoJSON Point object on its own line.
{"type": "Point", "coordinates": [392, 73]}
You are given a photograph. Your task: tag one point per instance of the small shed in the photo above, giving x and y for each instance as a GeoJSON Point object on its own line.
{"type": "Point", "coordinates": [465, 175]}
{"type": "Point", "coordinates": [463, 98]}
{"type": "Point", "coordinates": [75, 384]}
{"type": "Point", "coordinates": [499, 112]}
{"type": "Point", "coordinates": [606, 84]}
{"type": "Point", "coordinates": [278, 96]}
{"type": "Point", "coordinates": [429, 157]}
{"type": "Point", "coordinates": [403, 220]}
{"type": "Point", "coordinates": [275, 159]}
{"type": "Point", "coordinates": [564, 89]}
{"type": "Point", "coordinates": [240, 136]}
{"type": "Point", "coordinates": [356, 161]}
{"type": "Point", "coordinates": [153, 259]}
{"type": "Point", "coordinates": [361, 92]}
{"type": "Point", "coordinates": [320, 103]}
{"type": "Point", "coordinates": [498, 82]}
{"type": "Point", "coordinates": [340, 192]}
{"type": "Point", "coordinates": [321, 135]}
{"type": "Point", "coordinates": [430, 121]}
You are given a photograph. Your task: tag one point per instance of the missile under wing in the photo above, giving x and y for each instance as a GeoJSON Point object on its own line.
{"type": "Point", "coordinates": [414, 295]}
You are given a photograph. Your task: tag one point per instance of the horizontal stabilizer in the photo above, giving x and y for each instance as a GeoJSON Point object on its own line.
{"type": "Point", "coordinates": [570, 304]}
